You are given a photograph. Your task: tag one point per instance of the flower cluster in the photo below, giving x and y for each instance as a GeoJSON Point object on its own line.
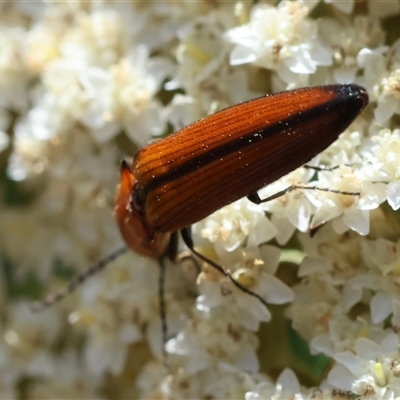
{"type": "Point", "coordinates": [85, 84]}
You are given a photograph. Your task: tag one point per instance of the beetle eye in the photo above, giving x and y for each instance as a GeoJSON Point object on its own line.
{"type": "Point", "coordinates": [138, 198]}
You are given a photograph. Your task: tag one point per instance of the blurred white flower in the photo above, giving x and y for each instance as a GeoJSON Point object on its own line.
{"type": "Point", "coordinates": [13, 74]}
{"type": "Point", "coordinates": [24, 349]}
{"type": "Point", "coordinates": [99, 38]}
{"type": "Point", "coordinates": [76, 382]}
{"type": "Point", "coordinates": [42, 45]}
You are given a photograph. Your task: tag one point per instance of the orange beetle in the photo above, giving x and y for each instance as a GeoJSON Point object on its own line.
{"type": "Point", "coordinates": [185, 177]}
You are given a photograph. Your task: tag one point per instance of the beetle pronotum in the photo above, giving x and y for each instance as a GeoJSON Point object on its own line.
{"type": "Point", "coordinates": [179, 180]}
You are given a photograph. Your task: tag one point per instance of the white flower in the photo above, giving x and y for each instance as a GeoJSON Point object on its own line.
{"type": "Point", "coordinates": [382, 82]}
{"type": "Point", "coordinates": [373, 64]}
{"type": "Point", "coordinates": [290, 211]}
{"type": "Point", "coordinates": [129, 304]}
{"type": "Point", "coordinates": [123, 98]}
{"type": "Point", "coordinates": [200, 54]}
{"type": "Point", "coordinates": [109, 335]}
{"type": "Point", "coordinates": [346, 211]}
{"type": "Point", "coordinates": [220, 382]}
{"type": "Point", "coordinates": [202, 69]}
{"type": "Point", "coordinates": [227, 382]}
{"type": "Point", "coordinates": [389, 101]}
{"type": "Point", "coordinates": [212, 337]}
{"type": "Point", "coordinates": [113, 314]}
{"type": "Point", "coordinates": [183, 111]}
{"type": "Point", "coordinates": [382, 257]}
{"type": "Point", "coordinates": [287, 386]}
{"type": "Point", "coordinates": [312, 307]}
{"type": "Point", "coordinates": [347, 42]}
{"type": "Point", "coordinates": [234, 225]}
{"type": "Point", "coordinates": [346, 149]}
{"type": "Point", "coordinates": [280, 38]}
{"type": "Point", "coordinates": [331, 259]}
{"type": "Point", "coordinates": [256, 272]}
{"type": "Point", "coordinates": [371, 370]}
{"type": "Point", "coordinates": [223, 88]}
{"type": "Point", "coordinates": [235, 232]}
{"type": "Point", "coordinates": [335, 341]}
{"type": "Point", "coordinates": [384, 157]}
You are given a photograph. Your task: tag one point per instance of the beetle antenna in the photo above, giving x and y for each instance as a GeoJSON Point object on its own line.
{"type": "Point", "coordinates": [186, 236]}
{"type": "Point", "coordinates": [53, 298]}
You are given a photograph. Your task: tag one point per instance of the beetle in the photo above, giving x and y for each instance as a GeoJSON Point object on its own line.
{"type": "Point", "coordinates": [185, 177]}
{"type": "Point", "coordinates": [179, 180]}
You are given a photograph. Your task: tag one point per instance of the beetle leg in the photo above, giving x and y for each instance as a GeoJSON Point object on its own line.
{"type": "Point", "coordinates": [256, 199]}
{"type": "Point", "coordinates": [171, 251]}
{"type": "Point", "coordinates": [163, 313]}
{"type": "Point", "coordinates": [323, 169]}
{"type": "Point", "coordinates": [187, 238]}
